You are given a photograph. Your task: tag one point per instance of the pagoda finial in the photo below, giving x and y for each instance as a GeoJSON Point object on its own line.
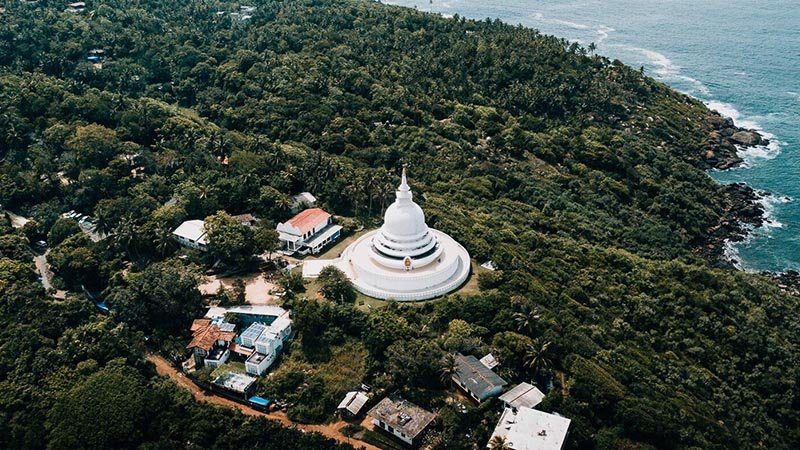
{"type": "Point", "coordinates": [404, 190]}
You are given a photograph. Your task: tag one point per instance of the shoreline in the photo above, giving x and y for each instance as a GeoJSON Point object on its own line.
{"type": "Point", "coordinates": [745, 211]}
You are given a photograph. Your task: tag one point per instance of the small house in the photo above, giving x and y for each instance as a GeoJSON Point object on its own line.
{"type": "Point", "coordinates": [475, 379]}
{"type": "Point", "coordinates": [210, 343]}
{"type": "Point", "coordinates": [302, 201]}
{"type": "Point", "coordinates": [308, 232]}
{"type": "Point", "coordinates": [239, 384]}
{"type": "Point", "coordinates": [192, 234]}
{"type": "Point", "coordinates": [246, 219]}
{"type": "Point", "coordinates": [401, 418]}
{"type": "Point", "coordinates": [352, 403]}
{"type": "Point", "coordinates": [523, 395]}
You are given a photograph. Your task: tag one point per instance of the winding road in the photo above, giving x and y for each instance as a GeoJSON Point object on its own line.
{"type": "Point", "coordinates": [165, 369]}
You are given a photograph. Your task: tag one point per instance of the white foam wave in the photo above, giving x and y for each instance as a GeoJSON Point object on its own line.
{"type": "Point", "coordinates": [750, 155]}
{"type": "Point", "coordinates": [602, 33]}
{"type": "Point", "coordinates": [667, 69]}
{"type": "Point", "coordinates": [794, 94]}
{"type": "Point", "coordinates": [769, 203]}
{"type": "Point", "coordinates": [731, 251]}
{"type": "Point", "coordinates": [567, 23]}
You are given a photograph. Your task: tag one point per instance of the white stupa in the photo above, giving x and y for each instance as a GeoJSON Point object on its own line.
{"type": "Point", "coordinates": [403, 260]}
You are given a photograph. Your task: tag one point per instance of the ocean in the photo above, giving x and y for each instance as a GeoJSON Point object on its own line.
{"type": "Point", "coordinates": [741, 57]}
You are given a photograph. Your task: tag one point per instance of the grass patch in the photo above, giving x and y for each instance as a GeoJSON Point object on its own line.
{"type": "Point", "coordinates": [336, 250]}
{"type": "Point", "coordinates": [237, 367]}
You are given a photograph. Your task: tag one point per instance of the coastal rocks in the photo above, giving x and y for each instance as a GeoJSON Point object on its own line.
{"type": "Point", "coordinates": [747, 138]}
{"type": "Point", "coordinates": [724, 142]}
{"type": "Point", "coordinates": [788, 282]}
{"type": "Point", "coordinates": [743, 213]}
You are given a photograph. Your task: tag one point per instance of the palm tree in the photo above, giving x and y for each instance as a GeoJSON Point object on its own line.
{"type": "Point", "coordinates": [526, 319]}
{"type": "Point", "coordinates": [537, 356]}
{"type": "Point", "coordinates": [449, 368]}
{"type": "Point", "coordinates": [164, 241]}
{"type": "Point", "coordinates": [499, 443]}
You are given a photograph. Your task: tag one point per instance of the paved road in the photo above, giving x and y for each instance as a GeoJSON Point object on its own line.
{"type": "Point", "coordinates": [164, 368]}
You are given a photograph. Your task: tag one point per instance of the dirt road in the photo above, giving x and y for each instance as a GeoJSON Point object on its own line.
{"type": "Point", "coordinates": [165, 369]}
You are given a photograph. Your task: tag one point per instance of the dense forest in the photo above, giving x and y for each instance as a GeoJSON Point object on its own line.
{"type": "Point", "coordinates": [575, 174]}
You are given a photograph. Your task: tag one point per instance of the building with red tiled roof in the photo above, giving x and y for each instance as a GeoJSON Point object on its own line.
{"type": "Point", "coordinates": [308, 232]}
{"type": "Point", "coordinates": [210, 343]}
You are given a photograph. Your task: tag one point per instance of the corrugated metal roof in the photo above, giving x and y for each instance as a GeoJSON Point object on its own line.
{"type": "Point", "coordinates": [523, 395]}
{"type": "Point", "coordinates": [353, 402]}
{"type": "Point", "coordinates": [478, 378]}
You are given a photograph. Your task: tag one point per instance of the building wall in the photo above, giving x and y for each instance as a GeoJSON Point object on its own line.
{"type": "Point", "coordinates": [393, 431]}
{"type": "Point", "coordinates": [219, 362]}
{"type": "Point", "coordinates": [259, 369]}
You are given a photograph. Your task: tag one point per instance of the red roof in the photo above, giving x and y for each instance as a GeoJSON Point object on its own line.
{"type": "Point", "coordinates": [308, 219]}
{"type": "Point", "coordinates": [205, 336]}
{"type": "Point", "coordinates": [199, 323]}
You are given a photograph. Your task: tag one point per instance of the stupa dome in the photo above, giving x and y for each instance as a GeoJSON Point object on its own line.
{"type": "Point", "coordinates": [404, 220]}
{"type": "Point", "coordinates": [404, 260]}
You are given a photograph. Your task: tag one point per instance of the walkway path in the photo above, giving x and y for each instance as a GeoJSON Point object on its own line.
{"type": "Point", "coordinates": [44, 272]}
{"type": "Point", "coordinates": [164, 368]}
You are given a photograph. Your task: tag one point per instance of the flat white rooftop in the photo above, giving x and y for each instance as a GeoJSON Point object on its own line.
{"type": "Point", "coordinates": [259, 310]}
{"type": "Point", "coordinates": [194, 230]}
{"type": "Point", "coordinates": [529, 429]}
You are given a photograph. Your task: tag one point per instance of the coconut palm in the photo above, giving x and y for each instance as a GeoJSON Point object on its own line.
{"type": "Point", "coordinates": [448, 369]}
{"type": "Point", "coordinates": [537, 356]}
{"type": "Point", "coordinates": [499, 443]}
{"type": "Point", "coordinates": [526, 319]}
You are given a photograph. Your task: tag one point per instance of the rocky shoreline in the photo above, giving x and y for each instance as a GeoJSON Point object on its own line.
{"type": "Point", "coordinates": [743, 213]}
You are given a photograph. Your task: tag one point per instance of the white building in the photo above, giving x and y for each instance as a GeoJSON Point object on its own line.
{"type": "Point", "coordinates": [192, 234]}
{"type": "Point", "coordinates": [266, 340]}
{"type": "Point", "coordinates": [404, 259]}
{"type": "Point", "coordinates": [258, 363]}
{"type": "Point", "coordinates": [249, 336]}
{"type": "Point", "coordinates": [303, 200]}
{"type": "Point", "coordinates": [308, 232]}
{"type": "Point", "coordinates": [529, 429]}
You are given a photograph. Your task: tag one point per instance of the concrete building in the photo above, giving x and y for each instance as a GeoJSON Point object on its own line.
{"type": "Point", "coordinates": [529, 429]}
{"type": "Point", "coordinates": [239, 384]}
{"type": "Point", "coordinates": [258, 363]}
{"type": "Point", "coordinates": [401, 418]}
{"type": "Point", "coordinates": [308, 232]}
{"type": "Point", "coordinates": [404, 260]}
{"type": "Point", "coordinates": [192, 234]}
{"type": "Point", "coordinates": [267, 342]}
{"type": "Point", "coordinates": [475, 379]}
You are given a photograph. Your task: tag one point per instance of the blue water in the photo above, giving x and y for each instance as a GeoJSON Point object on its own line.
{"type": "Point", "coordinates": [741, 57]}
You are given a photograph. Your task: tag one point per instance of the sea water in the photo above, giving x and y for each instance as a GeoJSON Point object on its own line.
{"type": "Point", "coordinates": [741, 57]}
